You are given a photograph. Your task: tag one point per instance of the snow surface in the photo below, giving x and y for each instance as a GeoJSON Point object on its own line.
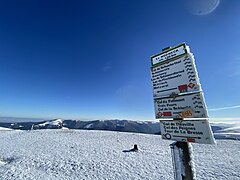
{"type": "Point", "coordinates": [54, 122]}
{"type": "Point", "coordinates": [5, 129]}
{"type": "Point", "coordinates": [83, 154]}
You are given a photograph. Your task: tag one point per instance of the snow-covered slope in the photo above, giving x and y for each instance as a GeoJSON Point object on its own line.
{"type": "Point", "coordinates": [4, 129]}
{"type": "Point", "coordinates": [82, 154]}
{"type": "Point", "coordinates": [52, 124]}
{"type": "Point", "coordinates": [226, 130]}
{"type": "Point", "coordinates": [228, 127]}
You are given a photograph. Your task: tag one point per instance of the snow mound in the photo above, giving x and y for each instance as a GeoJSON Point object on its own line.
{"type": "Point", "coordinates": [5, 129]}
{"type": "Point", "coordinates": [53, 123]}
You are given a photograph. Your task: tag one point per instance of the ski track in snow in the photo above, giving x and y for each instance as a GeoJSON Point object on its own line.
{"type": "Point", "coordinates": [83, 154]}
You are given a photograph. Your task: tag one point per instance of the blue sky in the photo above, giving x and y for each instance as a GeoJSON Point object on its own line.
{"type": "Point", "coordinates": [91, 59]}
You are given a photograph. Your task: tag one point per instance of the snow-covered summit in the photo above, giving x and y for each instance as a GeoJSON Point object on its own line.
{"type": "Point", "coordinates": [52, 124]}
{"type": "Point", "coordinates": [59, 154]}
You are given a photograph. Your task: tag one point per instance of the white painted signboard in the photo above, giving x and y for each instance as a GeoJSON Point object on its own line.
{"type": "Point", "coordinates": [176, 76]}
{"type": "Point", "coordinates": [194, 131]}
{"type": "Point", "coordinates": [177, 94]}
{"type": "Point", "coordinates": [183, 106]}
{"type": "Point", "coordinates": [169, 54]}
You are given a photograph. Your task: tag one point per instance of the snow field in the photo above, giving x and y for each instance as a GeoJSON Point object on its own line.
{"type": "Point", "coordinates": [82, 154]}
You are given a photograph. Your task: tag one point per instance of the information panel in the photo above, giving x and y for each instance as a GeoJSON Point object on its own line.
{"type": "Point", "coordinates": [184, 106]}
{"type": "Point", "coordinates": [178, 95]}
{"type": "Point", "coordinates": [176, 76]}
{"type": "Point", "coordinates": [169, 54]}
{"type": "Point", "coordinates": [194, 131]}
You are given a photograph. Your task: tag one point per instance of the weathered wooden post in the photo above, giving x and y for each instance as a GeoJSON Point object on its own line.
{"type": "Point", "coordinates": [180, 106]}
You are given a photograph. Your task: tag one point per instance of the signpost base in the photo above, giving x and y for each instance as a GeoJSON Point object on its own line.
{"type": "Point", "coordinates": [182, 161]}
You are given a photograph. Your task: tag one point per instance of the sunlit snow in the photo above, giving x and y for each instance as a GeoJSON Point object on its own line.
{"type": "Point", "coordinates": [83, 154]}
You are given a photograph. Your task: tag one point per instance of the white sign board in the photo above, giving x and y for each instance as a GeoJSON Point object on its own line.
{"type": "Point", "coordinates": [169, 54]}
{"type": "Point", "coordinates": [194, 131]}
{"type": "Point", "coordinates": [176, 76]}
{"type": "Point", "coordinates": [184, 106]}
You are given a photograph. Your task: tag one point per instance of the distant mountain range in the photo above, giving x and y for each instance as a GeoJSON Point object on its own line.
{"type": "Point", "coordinates": [111, 125]}
{"type": "Point", "coordinates": [220, 130]}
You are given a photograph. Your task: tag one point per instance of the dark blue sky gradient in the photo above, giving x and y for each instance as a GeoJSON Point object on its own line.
{"type": "Point", "coordinates": [91, 59]}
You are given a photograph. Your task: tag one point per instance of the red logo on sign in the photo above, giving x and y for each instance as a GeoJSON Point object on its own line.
{"type": "Point", "coordinates": [159, 114]}
{"type": "Point", "coordinates": [183, 88]}
{"type": "Point", "coordinates": [191, 85]}
{"type": "Point", "coordinates": [190, 140]}
{"type": "Point", "coordinates": [167, 113]}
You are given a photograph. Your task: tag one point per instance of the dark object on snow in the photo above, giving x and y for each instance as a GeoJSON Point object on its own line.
{"type": "Point", "coordinates": [135, 149]}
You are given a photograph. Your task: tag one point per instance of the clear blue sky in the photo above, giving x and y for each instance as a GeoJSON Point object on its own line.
{"type": "Point", "coordinates": [91, 59]}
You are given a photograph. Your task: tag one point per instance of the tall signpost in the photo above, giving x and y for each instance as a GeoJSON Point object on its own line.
{"type": "Point", "coordinates": [180, 106]}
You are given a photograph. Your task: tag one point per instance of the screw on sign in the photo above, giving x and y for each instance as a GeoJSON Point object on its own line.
{"type": "Point", "coordinates": [186, 114]}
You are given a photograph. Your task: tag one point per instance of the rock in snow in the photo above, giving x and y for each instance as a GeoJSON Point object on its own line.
{"type": "Point", "coordinates": [81, 154]}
